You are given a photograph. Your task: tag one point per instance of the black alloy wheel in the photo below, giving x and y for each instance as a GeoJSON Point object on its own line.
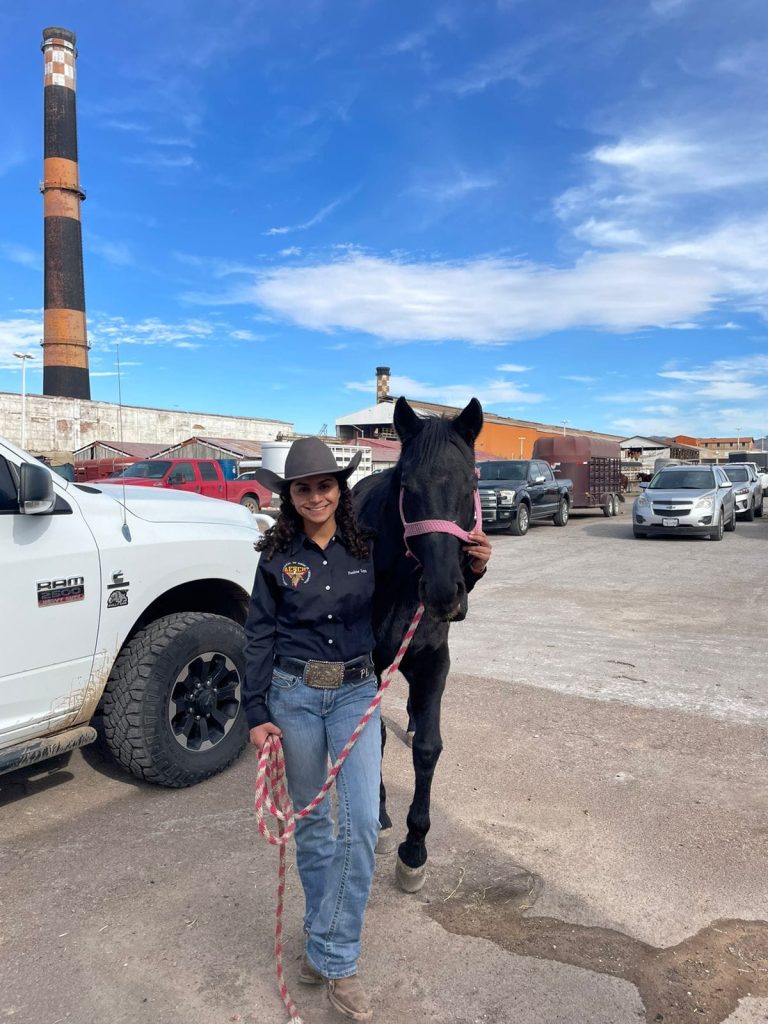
{"type": "Point", "coordinates": [204, 701]}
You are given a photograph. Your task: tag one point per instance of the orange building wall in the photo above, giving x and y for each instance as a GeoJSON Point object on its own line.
{"type": "Point", "coordinates": [510, 442]}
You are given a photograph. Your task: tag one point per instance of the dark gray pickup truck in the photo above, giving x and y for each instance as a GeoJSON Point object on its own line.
{"type": "Point", "coordinates": [514, 492]}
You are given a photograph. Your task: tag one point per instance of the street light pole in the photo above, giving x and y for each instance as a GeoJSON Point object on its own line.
{"type": "Point", "coordinates": [565, 424]}
{"type": "Point", "coordinates": [23, 356]}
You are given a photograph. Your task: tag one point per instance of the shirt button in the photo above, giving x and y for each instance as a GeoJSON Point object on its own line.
{"type": "Point", "coordinates": [325, 563]}
{"type": "Point", "coordinates": [330, 616]}
{"type": "Point", "coordinates": [330, 641]}
{"type": "Point", "coordinates": [327, 588]}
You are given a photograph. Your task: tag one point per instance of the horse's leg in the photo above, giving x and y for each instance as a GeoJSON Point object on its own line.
{"type": "Point", "coordinates": [386, 842]}
{"type": "Point", "coordinates": [411, 729]}
{"type": "Point", "coordinates": [426, 674]}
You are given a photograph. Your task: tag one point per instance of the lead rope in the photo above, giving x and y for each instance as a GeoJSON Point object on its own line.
{"type": "Point", "coordinates": [271, 792]}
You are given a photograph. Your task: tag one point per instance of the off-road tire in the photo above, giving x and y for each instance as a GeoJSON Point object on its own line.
{"type": "Point", "coordinates": [716, 533]}
{"type": "Point", "coordinates": [251, 502]}
{"type": "Point", "coordinates": [519, 525]}
{"type": "Point", "coordinates": [563, 512]}
{"type": "Point", "coordinates": [639, 535]}
{"type": "Point", "coordinates": [135, 705]}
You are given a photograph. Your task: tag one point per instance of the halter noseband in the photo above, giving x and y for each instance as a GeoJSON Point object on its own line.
{"type": "Point", "coordinates": [422, 526]}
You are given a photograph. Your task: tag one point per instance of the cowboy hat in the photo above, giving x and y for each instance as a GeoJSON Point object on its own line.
{"type": "Point", "coordinates": [308, 456]}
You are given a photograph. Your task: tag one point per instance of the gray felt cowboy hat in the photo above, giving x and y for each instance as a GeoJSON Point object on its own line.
{"type": "Point", "coordinates": [308, 456]}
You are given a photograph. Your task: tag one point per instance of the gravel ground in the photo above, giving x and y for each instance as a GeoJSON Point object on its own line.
{"type": "Point", "coordinates": [598, 849]}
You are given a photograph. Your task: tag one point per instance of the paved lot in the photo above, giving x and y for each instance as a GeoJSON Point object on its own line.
{"type": "Point", "coordinates": [600, 824]}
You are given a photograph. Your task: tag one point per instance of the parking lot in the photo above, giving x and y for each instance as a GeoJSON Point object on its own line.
{"type": "Point", "coordinates": [599, 849]}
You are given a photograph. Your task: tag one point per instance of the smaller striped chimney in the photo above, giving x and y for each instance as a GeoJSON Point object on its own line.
{"type": "Point", "coordinates": [382, 384]}
{"type": "Point", "coordinates": [65, 344]}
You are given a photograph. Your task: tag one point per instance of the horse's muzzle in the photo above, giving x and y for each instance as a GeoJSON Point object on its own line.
{"type": "Point", "coordinates": [445, 607]}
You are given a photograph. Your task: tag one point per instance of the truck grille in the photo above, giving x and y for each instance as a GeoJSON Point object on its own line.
{"type": "Point", "coordinates": [487, 499]}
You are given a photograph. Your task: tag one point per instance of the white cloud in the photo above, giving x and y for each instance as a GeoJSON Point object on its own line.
{"type": "Point", "coordinates": [111, 330]}
{"type": "Point", "coordinates": [513, 368]}
{"type": "Point", "coordinates": [489, 393]}
{"type": "Point", "coordinates": [579, 379]}
{"type": "Point", "coordinates": [116, 253]}
{"type": "Point", "coordinates": [162, 160]}
{"type": "Point", "coordinates": [292, 250]}
{"type": "Point", "coordinates": [22, 255]}
{"type": "Point", "coordinates": [20, 334]}
{"type": "Point", "coordinates": [318, 218]}
{"type": "Point", "coordinates": [484, 301]}
{"type": "Point", "coordinates": [455, 187]}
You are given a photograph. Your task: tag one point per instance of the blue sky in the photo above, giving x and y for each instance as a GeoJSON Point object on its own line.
{"type": "Point", "coordinates": [558, 207]}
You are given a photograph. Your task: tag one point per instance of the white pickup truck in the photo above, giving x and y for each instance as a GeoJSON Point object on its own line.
{"type": "Point", "coordinates": [123, 608]}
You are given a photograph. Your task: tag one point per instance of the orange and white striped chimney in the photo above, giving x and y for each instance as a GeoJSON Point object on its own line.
{"type": "Point", "coordinates": [65, 343]}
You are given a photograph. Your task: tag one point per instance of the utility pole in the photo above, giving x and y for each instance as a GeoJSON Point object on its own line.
{"type": "Point", "coordinates": [24, 356]}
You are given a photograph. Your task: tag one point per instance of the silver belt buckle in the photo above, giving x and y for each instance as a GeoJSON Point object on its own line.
{"type": "Point", "coordinates": [324, 675]}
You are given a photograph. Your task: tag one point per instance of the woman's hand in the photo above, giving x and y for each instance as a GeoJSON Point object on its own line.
{"type": "Point", "coordinates": [258, 734]}
{"type": "Point", "coordinates": [479, 551]}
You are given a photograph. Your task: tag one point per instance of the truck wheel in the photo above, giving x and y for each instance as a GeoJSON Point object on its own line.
{"type": "Point", "coordinates": [561, 516]}
{"type": "Point", "coordinates": [519, 525]}
{"type": "Point", "coordinates": [251, 502]}
{"type": "Point", "coordinates": [716, 533]}
{"type": "Point", "coordinates": [172, 708]}
{"type": "Point", "coordinates": [615, 506]}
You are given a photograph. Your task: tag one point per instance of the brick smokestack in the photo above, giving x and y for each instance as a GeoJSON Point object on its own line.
{"type": "Point", "coordinates": [65, 345]}
{"type": "Point", "coordinates": [382, 384]}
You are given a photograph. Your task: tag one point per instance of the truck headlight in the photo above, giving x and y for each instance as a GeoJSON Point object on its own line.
{"type": "Point", "coordinates": [642, 502]}
{"type": "Point", "coordinates": [707, 503]}
{"type": "Point", "coordinates": [506, 497]}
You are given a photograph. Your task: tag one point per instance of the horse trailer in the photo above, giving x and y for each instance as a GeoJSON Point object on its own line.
{"type": "Point", "coordinates": [594, 466]}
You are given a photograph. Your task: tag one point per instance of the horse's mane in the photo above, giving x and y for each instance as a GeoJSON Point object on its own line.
{"type": "Point", "coordinates": [424, 446]}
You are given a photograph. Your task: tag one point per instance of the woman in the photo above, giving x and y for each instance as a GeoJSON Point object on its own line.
{"type": "Point", "coordinates": [309, 679]}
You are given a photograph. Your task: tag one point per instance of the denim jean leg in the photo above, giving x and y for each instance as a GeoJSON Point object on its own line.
{"type": "Point", "coordinates": [297, 710]}
{"type": "Point", "coordinates": [336, 930]}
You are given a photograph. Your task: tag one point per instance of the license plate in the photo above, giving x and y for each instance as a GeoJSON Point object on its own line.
{"type": "Point", "coordinates": [670, 522]}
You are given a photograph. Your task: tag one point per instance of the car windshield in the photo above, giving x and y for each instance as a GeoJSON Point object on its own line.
{"type": "Point", "coordinates": [153, 469]}
{"type": "Point", "coordinates": [737, 474]}
{"type": "Point", "coordinates": [503, 470]}
{"type": "Point", "coordinates": [683, 480]}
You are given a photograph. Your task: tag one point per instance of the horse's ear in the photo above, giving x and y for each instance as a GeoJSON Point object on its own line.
{"type": "Point", "coordinates": [469, 422]}
{"type": "Point", "coordinates": [407, 423]}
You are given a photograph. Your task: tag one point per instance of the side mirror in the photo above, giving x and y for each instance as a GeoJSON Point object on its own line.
{"type": "Point", "coordinates": [726, 487]}
{"type": "Point", "coordinates": [643, 484]}
{"type": "Point", "coordinates": [539, 479]}
{"type": "Point", "coordinates": [36, 494]}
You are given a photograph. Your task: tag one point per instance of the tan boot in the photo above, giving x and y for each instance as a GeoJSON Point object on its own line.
{"type": "Point", "coordinates": [307, 973]}
{"type": "Point", "coordinates": [349, 998]}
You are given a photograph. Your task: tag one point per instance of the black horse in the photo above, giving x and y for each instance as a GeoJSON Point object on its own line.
{"type": "Point", "coordinates": [435, 476]}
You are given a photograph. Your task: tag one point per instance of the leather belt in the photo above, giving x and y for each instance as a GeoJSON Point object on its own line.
{"type": "Point", "coordinates": [327, 675]}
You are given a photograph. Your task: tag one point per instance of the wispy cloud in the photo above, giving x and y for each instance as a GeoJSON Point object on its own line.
{"type": "Point", "coordinates": [110, 330]}
{"type": "Point", "coordinates": [579, 378]}
{"type": "Point", "coordinates": [115, 252]}
{"type": "Point", "coordinates": [450, 188]}
{"type": "Point", "coordinates": [490, 393]}
{"type": "Point", "coordinates": [162, 160]}
{"type": "Point", "coordinates": [316, 219]}
{"type": "Point", "coordinates": [21, 255]}
{"type": "Point", "coordinates": [513, 368]}
{"type": "Point", "coordinates": [485, 301]}
{"type": "Point", "coordinates": [20, 334]}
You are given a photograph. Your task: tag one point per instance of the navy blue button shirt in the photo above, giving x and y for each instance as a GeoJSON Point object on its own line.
{"type": "Point", "coordinates": [307, 603]}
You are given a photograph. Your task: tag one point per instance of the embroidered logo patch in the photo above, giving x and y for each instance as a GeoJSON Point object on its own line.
{"type": "Point", "coordinates": [295, 573]}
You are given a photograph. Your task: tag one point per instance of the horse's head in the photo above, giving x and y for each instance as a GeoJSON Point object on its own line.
{"type": "Point", "coordinates": [437, 477]}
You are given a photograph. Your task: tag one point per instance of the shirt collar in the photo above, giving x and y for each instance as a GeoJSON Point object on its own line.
{"type": "Point", "coordinates": [304, 541]}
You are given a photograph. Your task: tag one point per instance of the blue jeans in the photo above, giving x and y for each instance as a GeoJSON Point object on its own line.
{"type": "Point", "coordinates": [336, 871]}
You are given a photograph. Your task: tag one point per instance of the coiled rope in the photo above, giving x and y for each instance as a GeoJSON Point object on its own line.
{"type": "Point", "coordinates": [272, 795]}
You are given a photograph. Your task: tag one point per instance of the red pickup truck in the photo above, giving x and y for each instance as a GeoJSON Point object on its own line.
{"type": "Point", "coordinates": [201, 476]}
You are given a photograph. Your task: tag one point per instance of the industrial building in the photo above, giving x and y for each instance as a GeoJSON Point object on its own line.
{"type": "Point", "coordinates": [501, 435]}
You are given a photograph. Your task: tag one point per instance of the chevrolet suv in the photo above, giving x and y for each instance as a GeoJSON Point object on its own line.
{"type": "Point", "coordinates": [688, 500]}
{"type": "Point", "coordinates": [747, 489]}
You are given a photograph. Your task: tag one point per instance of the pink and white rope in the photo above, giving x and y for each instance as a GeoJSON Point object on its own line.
{"type": "Point", "coordinates": [272, 794]}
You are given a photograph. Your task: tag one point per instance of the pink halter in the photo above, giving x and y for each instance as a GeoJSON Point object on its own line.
{"type": "Point", "coordinates": [422, 526]}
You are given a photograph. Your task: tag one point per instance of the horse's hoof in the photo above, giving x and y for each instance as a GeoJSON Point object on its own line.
{"type": "Point", "coordinates": [409, 739]}
{"type": "Point", "coordinates": [386, 842]}
{"type": "Point", "coordinates": [410, 879]}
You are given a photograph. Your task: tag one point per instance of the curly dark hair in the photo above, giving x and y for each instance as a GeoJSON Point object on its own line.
{"type": "Point", "coordinates": [289, 523]}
